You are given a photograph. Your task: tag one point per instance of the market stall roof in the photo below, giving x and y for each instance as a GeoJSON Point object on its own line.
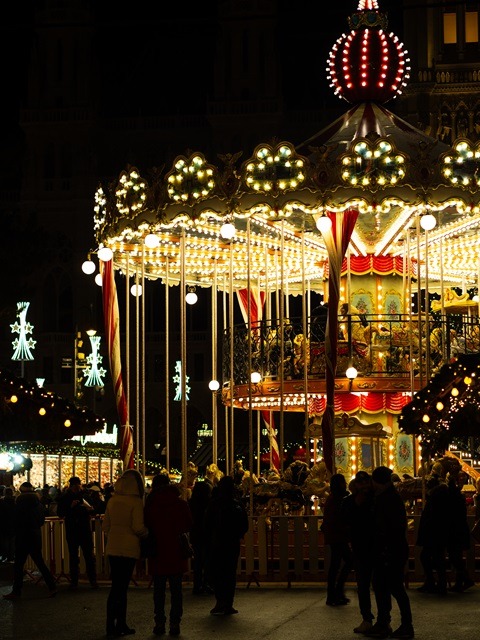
{"type": "Point", "coordinates": [30, 413]}
{"type": "Point", "coordinates": [447, 410]}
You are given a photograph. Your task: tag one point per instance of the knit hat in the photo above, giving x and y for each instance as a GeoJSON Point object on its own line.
{"type": "Point", "coordinates": [382, 475]}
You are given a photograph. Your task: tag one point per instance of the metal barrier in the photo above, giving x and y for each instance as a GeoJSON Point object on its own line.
{"type": "Point", "coordinates": [281, 549]}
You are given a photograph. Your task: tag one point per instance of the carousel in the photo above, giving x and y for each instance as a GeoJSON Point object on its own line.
{"type": "Point", "coordinates": [353, 257]}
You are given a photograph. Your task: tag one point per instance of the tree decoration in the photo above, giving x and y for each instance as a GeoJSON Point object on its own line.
{"type": "Point", "coordinates": [93, 372]}
{"type": "Point", "coordinates": [23, 345]}
{"type": "Point", "coordinates": [191, 179]}
{"type": "Point", "coordinates": [368, 64]}
{"type": "Point", "coordinates": [177, 379]}
{"type": "Point", "coordinates": [130, 192]}
{"type": "Point", "coordinates": [463, 168]}
{"type": "Point", "coordinates": [447, 410]}
{"type": "Point", "coordinates": [373, 164]}
{"type": "Point", "coordinates": [100, 211]}
{"type": "Point", "coordinates": [273, 170]}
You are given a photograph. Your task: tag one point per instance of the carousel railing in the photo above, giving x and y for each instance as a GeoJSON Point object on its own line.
{"type": "Point", "coordinates": [376, 345]}
{"type": "Point", "coordinates": [277, 548]}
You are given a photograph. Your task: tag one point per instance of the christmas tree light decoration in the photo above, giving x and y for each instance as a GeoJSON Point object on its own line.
{"type": "Point", "coordinates": [368, 64]}
{"type": "Point", "coordinates": [22, 345]}
{"type": "Point", "coordinates": [177, 379]}
{"type": "Point", "coordinates": [93, 372]}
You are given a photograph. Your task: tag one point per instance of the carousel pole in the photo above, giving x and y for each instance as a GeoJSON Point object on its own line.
{"type": "Point", "coordinates": [183, 359]}
{"type": "Point", "coordinates": [143, 365]}
{"type": "Point", "coordinates": [127, 340]}
{"type": "Point", "coordinates": [226, 416]}
{"type": "Point", "coordinates": [282, 348]}
{"type": "Point", "coordinates": [304, 347]}
{"type": "Point", "coordinates": [137, 370]}
{"type": "Point", "coordinates": [167, 361]}
{"type": "Point", "coordinates": [446, 340]}
{"type": "Point", "coordinates": [214, 366]}
{"type": "Point", "coordinates": [419, 305]}
{"type": "Point", "coordinates": [232, 328]}
{"type": "Point", "coordinates": [249, 345]}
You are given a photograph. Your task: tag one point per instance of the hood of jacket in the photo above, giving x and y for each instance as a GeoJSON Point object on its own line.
{"type": "Point", "coordinates": [130, 483]}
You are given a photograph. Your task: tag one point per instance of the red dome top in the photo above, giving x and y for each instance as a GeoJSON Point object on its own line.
{"type": "Point", "coordinates": [368, 64]}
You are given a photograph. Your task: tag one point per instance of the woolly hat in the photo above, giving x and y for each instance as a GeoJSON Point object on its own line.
{"type": "Point", "coordinates": [382, 475]}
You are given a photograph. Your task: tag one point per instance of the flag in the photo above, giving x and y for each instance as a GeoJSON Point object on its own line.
{"type": "Point", "coordinates": [112, 334]}
{"type": "Point", "coordinates": [257, 299]}
{"type": "Point", "coordinates": [336, 239]}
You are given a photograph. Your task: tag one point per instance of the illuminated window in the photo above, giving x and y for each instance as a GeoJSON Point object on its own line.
{"type": "Point", "coordinates": [471, 26]}
{"type": "Point", "coordinates": [449, 28]}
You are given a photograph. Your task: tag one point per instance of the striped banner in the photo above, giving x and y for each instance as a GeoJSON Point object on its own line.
{"type": "Point", "coordinates": [257, 300]}
{"type": "Point", "coordinates": [336, 240]}
{"type": "Point", "coordinates": [112, 333]}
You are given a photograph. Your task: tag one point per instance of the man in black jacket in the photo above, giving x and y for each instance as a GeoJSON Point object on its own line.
{"type": "Point", "coordinates": [390, 555]}
{"type": "Point", "coordinates": [76, 511]}
{"type": "Point", "coordinates": [29, 517]}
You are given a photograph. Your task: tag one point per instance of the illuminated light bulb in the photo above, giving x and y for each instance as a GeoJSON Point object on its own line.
{"type": "Point", "coordinates": [214, 385]}
{"type": "Point", "coordinates": [351, 373]}
{"type": "Point", "coordinates": [99, 279]}
{"type": "Point", "coordinates": [455, 392]}
{"type": "Point", "coordinates": [428, 222]}
{"type": "Point", "coordinates": [42, 411]}
{"type": "Point", "coordinates": [439, 406]}
{"type": "Point", "coordinates": [228, 231]}
{"type": "Point", "coordinates": [191, 297]}
{"type": "Point", "coordinates": [152, 241]}
{"type": "Point", "coordinates": [467, 380]}
{"type": "Point", "coordinates": [13, 399]}
{"type": "Point", "coordinates": [88, 267]}
{"type": "Point", "coordinates": [255, 377]}
{"type": "Point", "coordinates": [324, 224]}
{"type": "Point", "coordinates": [136, 290]}
{"type": "Point", "coordinates": [105, 254]}
{"type": "Point", "coordinates": [67, 423]}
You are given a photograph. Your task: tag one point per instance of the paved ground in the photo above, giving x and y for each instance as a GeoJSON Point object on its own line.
{"type": "Point", "coordinates": [268, 612]}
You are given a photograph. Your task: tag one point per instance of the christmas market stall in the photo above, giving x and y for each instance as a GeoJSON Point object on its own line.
{"type": "Point", "coordinates": [36, 430]}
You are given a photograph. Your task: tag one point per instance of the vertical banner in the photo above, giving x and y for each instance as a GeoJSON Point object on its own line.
{"type": "Point", "coordinates": [112, 335]}
{"type": "Point", "coordinates": [337, 238]}
{"type": "Point", "coordinates": [257, 300]}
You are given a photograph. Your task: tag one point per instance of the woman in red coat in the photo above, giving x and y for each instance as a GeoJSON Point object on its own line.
{"type": "Point", "coordinates": [167, 516]}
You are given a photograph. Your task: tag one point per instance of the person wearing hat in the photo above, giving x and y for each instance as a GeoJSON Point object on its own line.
{"type": "Point", "coordinates": [390, 555]}
{"type": "Point", "coordinates": [76, 512]}
{"type": "Point", "coordinates": [29, 517]}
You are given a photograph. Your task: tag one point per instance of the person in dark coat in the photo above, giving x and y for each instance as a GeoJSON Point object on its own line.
{"type": "Point", "coordinates": [357, 514]}
{"type": "Point", "coordinates": [335, 534]}
{"type": "Point", "coordinates": [458, 535]}
{"type": "Point", "coordinates": [226, 522]}
{"type": "Point", "coordinates": [198, 503]}
{"type": "Point", "coordinates": [433, 538]}
{"type": "Point", "coordinates": [167, 516]}
{"type": "Point", "coordinates": [390, 555]}
{"type": "Point", "coordinates": [29, 518]}
{"type": "Point", "coordinates": [7, 529]}
{"type": "Point", "coordinates": [76, 511]}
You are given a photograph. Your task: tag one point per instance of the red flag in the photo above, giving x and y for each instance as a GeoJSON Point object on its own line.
{"type": "Point", "coordinates": [112, 333]}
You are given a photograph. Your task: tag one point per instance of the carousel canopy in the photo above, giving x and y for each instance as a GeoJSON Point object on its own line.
{"type": "Point", "coordinates": [233, 221]}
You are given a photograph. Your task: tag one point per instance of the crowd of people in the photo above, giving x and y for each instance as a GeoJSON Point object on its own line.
{"type": "Point", "coordinates": [364, 527]}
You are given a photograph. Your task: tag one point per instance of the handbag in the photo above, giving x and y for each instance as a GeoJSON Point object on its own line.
{"type": "Point", "coordinates": [148, 546]}
{"type": "Point", "coordinates": [185, 546]}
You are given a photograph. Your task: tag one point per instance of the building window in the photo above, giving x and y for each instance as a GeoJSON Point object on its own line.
{"type": "Point", "coordinates": [471, 26]}
{"type": "Point", "coordinates": [449, 28]}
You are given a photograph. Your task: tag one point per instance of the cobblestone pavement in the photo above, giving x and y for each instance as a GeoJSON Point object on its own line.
{"type": "Point", "coordinates": [268, 611]}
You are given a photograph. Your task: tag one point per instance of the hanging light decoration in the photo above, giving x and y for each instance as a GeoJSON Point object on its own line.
{"type": "Point", "coordinates": [191, 297]}
{"type": "Point", "coordinates": [368, 64]}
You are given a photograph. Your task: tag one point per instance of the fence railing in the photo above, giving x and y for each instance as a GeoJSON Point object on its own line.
{"type": "Point", "coordinates": [282, 549]}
